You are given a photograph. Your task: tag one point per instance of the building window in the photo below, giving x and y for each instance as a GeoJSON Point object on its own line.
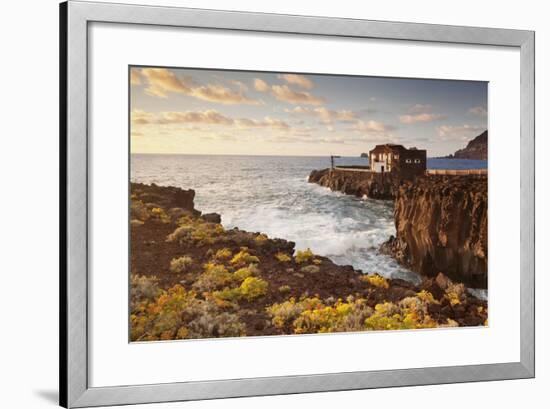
{"type": "Point", "coordinates": [408, 161]}
{"type": "Point", "coordinates": [396, 157]}
{"type": "Point", "coordinates": [417, 161]}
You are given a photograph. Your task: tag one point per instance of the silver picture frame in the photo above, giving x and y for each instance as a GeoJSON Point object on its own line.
{"type": "Point", "coordinates": [75, 17]}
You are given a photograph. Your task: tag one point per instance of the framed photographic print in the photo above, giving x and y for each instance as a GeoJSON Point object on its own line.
{"type": "Point", "coordinates": [258, 204]}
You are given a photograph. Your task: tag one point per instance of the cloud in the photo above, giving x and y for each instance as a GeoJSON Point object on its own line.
{"type": "Point", "coordinates": [425, 117]}
{"type": "Point", "coordinates": [209, 117]}
{"type": "Point", "coordinates": [326, 116]}
{"type": "Point", "coordinates": [478, 111]}
{"type": "Point", "coordinates": [420, 113]}
{"type": "Point", "coordinates": [261, 85]}
{"type": "Point", "coordinates": [372, 127]}
{"type": "Point", "coordinates": [135, 77]}
{"type": "Point", "coordinates": [222, 95]}
{"type": "Point", "coordinates": [161, 82]}
{"type": "Point", "coordinates": [286, 94]}
{"type": "Point", "coordinates": [419, 109]}
{"type": "Point", "coordinates": [461, 131]}
{"type": "Point", "coordinates": [299, 80]}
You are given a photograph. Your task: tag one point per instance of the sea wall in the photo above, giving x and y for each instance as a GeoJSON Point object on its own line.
{"type": "Point", "coordinates": [441, 226]}
{"type": "Point", "coordinates": [357, 182]}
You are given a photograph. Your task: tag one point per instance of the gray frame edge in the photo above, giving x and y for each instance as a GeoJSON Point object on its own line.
{"type": "Point", "coordinates": [74, 388]}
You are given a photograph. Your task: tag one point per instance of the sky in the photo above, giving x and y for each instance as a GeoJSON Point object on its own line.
{"type": "Point", "coordinates": [190, 111]}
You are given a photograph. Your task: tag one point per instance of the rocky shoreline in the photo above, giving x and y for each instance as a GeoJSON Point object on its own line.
{"type": "Point", "coordinates": [192, 278]}
{"type": "Point", "coordinates": [441, 221]}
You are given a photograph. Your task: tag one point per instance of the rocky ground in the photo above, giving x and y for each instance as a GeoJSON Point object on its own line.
{"type": "Point", "coordinates": [192, 278]}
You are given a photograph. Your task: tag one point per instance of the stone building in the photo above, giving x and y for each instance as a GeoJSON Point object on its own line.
{"type": "Point", "coordinates": [397, 159]}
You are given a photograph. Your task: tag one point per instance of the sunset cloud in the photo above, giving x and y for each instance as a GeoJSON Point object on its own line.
{"type": "Point", "coordinates": [299, 80]}
{"type": "Point", "coordinates": [425, 117]}
{"type": "Point", "coordinates": [161, 82]}
{"type": "Point", "coordinates": [135, 77]}
{"type": "Point", "coordinates": [326, 116]}
{"type": "Point", "coordinates": [286, 94]}
{"type": "Point", "coordinates": [478, 111]}
{"type": "Point", "coordinates": [420, 113]}
{"type": "Point", "coordinates": [461, 131]}
{"type": "Point", "coordinates": [209, 117]}
{"type": "Point", "coordinates": [372, 127]}
{"type": "Point", "coordinates": [261, 85]}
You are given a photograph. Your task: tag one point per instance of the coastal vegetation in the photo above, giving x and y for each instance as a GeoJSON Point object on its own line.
{"type": "Point", "coordinates": [192, 278]}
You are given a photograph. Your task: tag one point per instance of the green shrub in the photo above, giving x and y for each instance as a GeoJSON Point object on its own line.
{"type": "Point", "coordinates": [244, 272]}
{"type": "Point", "coordinates": [310, 269]}
{"type": "Point", "coordinates": [142, 288]}
{"type": "Point", "coordinates": [177, 314]}
{"type": "Point", "coordinates": [304, 256]}
{"type": "Point", "coordinates": [284, 289]}
{"type": "Point", "coordinates": [213, 277]}
{"type": "Point", "coordinates": [181, 264]}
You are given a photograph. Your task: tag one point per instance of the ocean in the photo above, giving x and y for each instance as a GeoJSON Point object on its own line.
{"type": "Point", "coordinates": [270, 194]}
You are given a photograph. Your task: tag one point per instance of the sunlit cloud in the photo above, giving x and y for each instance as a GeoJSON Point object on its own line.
{"type": "Point", "coordinates": [161, 82]}
{"type": "Point", "coordinates": [425, 117]}
{"type": "Point", "coordinates": [420, 113]}
{"type": "Point", "coordinates": [135, 77]}
{"type": "Point", "coordinates": [286, 94]}
{"type": "Point", "coordinates": [463, 132]}
{"type": "Point", "coordinates": [208, 117]}
{"type": "Point", "coordinates": [296, 79]}
{"type": "Point", "coordinates": [325, 115]}
{"type": "Point", "coordinates": [372, 127]}
{"type": "Point", "coordinates": [478, 111]}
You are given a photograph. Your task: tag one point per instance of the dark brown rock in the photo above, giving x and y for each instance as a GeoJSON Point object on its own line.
{"type": "Point", "coordinates": [441, 224]}
{"type": "Point", "coordinates": [212, 217]}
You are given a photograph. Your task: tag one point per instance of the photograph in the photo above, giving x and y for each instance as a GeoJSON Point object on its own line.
{"type": "Point", "coordinates": [277, 203]}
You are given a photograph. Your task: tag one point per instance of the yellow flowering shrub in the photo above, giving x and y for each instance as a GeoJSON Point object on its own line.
{"type": "Point", "coordinates": [409, 313]}
{"type": "Point", "coordinates": [243, 257]}
{"type": "Point", "coordinates": [376, 280]}
{"type": "Point", "coordinates": [196, 231]}
{"type": "Point", "coordinates": [213, 277]}
{"type": "Point", "coordinates": [455, 293]}
{"type": "Point", "coordinates": [427, 297]}
{"type": "Point", "coordinates": [244, 272]}
{"type": "Point", "coordinates": [304, 256]}
{"type": "Point", "coordinates": [260, 239]}
{"type": "Point", "coordinates": [282, 257]}
{"type": "Point", "coordinates": [311, 315]}
{"type": "Point", "coordinates": [223, 254]}
{"type": "Point", "coordinates": [250, 289]}
{"type": "Point", "coordinates": [253, 287]}
{"type": "Point", "coordinates": [177, 314]}
{"type": "Point", "coordinates": [158, 213]}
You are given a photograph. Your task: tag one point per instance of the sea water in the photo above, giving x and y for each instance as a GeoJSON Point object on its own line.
{"type": "Point", "coordinates": [270, 194]}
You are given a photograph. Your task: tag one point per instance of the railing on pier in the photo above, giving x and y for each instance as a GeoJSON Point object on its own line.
{"type": "Point", "coordinates": [353, 168]}
{"type": "Point", "coordinates": [456, 172]}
